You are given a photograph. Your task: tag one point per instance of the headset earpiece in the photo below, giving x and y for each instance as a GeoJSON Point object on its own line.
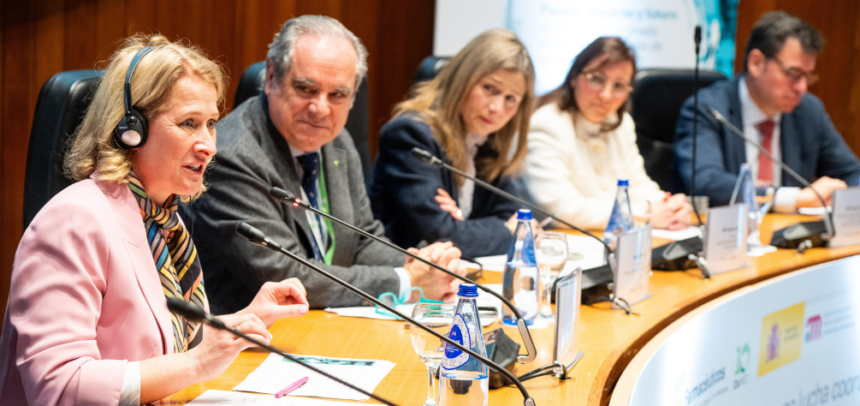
{"type": "Point", "coordinates": [131, 132]}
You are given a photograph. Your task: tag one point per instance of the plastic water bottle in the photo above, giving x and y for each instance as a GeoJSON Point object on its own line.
{"type": "Point", "coordinates": [465, 380]}
{"type": "Point", "coordinates": [621, 219]}
{"type": "Point", "coordinates": [745, 193]}
{"type": "Point", "coordinates": [520, 281]}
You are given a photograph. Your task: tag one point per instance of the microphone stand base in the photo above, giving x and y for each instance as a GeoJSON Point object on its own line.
{"type": "Point", "coordinates": [675, 256]}
{"type": "Point", "coordinates": [800, 236]}
{"type": "Point", "coordinates": [503, 351]}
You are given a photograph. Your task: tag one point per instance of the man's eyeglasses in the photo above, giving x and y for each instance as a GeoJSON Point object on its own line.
{"type": "Point", "coordinates": [392, 300]}
{"type": "Point", "coordinates": [598, 82]}
{"type": "Point", "coordinates": [795, 74]}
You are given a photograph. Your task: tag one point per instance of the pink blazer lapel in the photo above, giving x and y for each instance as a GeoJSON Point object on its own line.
{"type": "Point", "coordinates": [133, 232]}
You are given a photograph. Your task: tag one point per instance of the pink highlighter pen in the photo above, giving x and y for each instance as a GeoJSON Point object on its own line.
{"type": "Point", "coordinates": [293, 386]}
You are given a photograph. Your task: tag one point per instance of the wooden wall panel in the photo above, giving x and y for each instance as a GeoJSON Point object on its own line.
{"type": "Point", "coordinates": [838, 65]}
{"type": "Point", "coordinates": [39, 38]}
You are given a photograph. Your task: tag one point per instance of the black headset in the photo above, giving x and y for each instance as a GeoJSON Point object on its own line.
{"type": "Point", "coordinates": [131, 132]}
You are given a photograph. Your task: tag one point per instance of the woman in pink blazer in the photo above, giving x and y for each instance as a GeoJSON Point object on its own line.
{"type": "Point", "coordinates": [87, 320]}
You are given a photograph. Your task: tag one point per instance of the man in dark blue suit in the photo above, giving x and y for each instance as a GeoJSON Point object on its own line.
{"type": "Point", "coordinates": [770, 103]}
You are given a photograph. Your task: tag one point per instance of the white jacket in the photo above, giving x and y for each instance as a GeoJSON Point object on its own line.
{"type": "Point", "coordinates": [575, 175]}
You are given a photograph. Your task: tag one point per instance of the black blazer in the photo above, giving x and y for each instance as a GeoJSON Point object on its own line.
{"type": "Point", "coordinates": [403, 195]}
{"type": "Point", "coordinates": [809, 143]}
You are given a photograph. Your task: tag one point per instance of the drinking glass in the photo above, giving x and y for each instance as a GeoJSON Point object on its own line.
{"type": "Point", "coordinates": [551, 253]}
{"type": "Point", "coordinates": [439, 317]}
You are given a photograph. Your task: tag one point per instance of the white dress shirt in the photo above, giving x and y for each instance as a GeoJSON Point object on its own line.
{"type": "Point", "coordinates": [785, 200]}
{"type": "Point", "coordinates": [572, 170]}
{"type": "Point", "coordinates": [467, 191]}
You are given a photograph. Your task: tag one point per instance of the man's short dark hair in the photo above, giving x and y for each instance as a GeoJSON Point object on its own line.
{"type": "Point", "coordinates": [774, 28]}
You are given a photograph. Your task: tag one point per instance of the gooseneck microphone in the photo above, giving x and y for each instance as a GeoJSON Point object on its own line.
{"type": "Point", "coordinates": [257, 237]}
{"type": "Point", "coordinates": [195, 313]}
{"type": "Point", "coordinates": [808, 235]}
{"type": "Point", "coordinates": [429, 158]}
{"type": "Point", "coordinates": [531, 352]}
{"type": "Point", "coordinates": [697, 38]}
{"type": "Point", "coordinates": [686, 254]}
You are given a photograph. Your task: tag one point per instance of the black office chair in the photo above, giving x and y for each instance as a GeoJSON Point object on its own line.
{"type": "Point", "coordinates": [657, 97]}
{"type": "Point", "coordinates": [430, 67]}
{"type": "Point", "coordinates": [61, 106]}
{"type": "Point", "coordinates": [254, 78]}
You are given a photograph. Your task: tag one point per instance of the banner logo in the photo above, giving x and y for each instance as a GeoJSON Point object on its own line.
{"type": "Point", "coordinates": [781, 338]}
{"type": "Point", "coordinates": [743, 358]}
{"type": "Point", "coordinates": [813, 328]}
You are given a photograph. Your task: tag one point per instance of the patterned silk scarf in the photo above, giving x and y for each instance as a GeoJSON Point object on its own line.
{"type": "Point", "coordinates": [178, 266]}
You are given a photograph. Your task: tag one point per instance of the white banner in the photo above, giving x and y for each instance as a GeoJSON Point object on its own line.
{"type": "Point", "coordinates": [792, 341]}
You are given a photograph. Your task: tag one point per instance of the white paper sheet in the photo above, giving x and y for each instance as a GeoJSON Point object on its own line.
{"type": "Point", "coordinates": [225, 398]}
{"type": "Point", "coordinates": [276, 373]}
{"type": "Point", "coordinates": [369, 312]}
{"type": "Point", "coordinates": [585, 251]}
{"type": "Point", "coordinates": [813, 211]}
{"type": "Point", "coordinates": [688, 232]}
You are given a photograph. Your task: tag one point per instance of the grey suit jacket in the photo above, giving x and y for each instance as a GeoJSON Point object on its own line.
{"type": "Point", "coordinates": [252, 157]}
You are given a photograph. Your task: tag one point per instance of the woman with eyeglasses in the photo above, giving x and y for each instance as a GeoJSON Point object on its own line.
{"type": "Point", "coordinates": [582, 141]}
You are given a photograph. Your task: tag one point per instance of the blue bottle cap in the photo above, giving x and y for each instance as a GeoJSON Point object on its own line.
{"type": "Point", "coordinates": [623, 182]}
{"type": "Point", "coordinates": [467, 290]}
{"type": "Point", "coordinates": [524, 214]}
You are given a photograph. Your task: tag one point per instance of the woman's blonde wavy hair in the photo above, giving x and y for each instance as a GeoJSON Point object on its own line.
{"type": "Point", "coordinates": [439, 102]}
{"type": "Point", "coordinates": [93, 148]}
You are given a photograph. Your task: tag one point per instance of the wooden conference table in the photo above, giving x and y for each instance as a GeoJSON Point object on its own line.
{"type": "Point", "coordinates": [608, 337]}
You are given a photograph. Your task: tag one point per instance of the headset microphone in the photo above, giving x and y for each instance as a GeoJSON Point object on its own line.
{"type": "Point", "coordinates": [131, 132]}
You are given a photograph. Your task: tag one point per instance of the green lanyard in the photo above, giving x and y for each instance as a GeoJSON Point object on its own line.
{"type": "Point", "coordinates": [329, 254]}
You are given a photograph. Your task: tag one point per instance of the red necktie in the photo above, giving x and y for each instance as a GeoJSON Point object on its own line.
{"type": "Point", "coordinates": [765, 165]}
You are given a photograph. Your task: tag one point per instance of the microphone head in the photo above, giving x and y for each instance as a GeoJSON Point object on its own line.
{"type": "Point", "coordinates": [423, 155]}
{"type": "Point", "coordinates": [188, 310]}
{"type": "Point", "coordinates": [716, 113]}
{"type": "Point", "coordinates": [281, 194]}
{"type": "Point", "coordinates": [698, 35]}
{"type": "Point", "coordinates": [251, 234]}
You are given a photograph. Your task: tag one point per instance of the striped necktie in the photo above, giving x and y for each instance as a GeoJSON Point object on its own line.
{"type": "Point", "coordinates": [765, 165]}
{"type": "Point", "coordinates": [178, 266]}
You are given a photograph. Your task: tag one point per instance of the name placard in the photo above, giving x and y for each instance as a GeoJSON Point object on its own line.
{"type": "Point", "coordinates": [633, 255]}
{"type": "Point", "coordinates": [846, 217]}
{"type": "Point", "coordinates": [725, 238]}
{"type": "Point", "coordinates": [568, 298]}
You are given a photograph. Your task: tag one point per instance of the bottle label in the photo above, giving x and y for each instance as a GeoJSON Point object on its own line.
{"type": "Point", "coordinates": [455, 357]}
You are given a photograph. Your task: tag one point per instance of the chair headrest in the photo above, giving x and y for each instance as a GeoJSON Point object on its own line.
{"type": "Point", "coordinates": [251, 83]}
{"type": "Point", "coordinates": [62, 104]}
{"type": "Point", "coordinates": [658, 95]}
{"type": "Point", "coordinates": [430, 67]}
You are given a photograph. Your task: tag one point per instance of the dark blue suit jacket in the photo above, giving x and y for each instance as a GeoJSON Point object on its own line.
{"type": "Point", "coordinates": [809, 143]}
{"type": "Point", "coordinates": [403, 191]}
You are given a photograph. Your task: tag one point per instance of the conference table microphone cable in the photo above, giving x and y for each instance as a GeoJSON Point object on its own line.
{"type": "Point", "coordinates": [828, 220]}
{"type": "Point", "coordinates": [192, 312]}
{"type": "Point", "coordinates": [257, 237]}
{"type": "Point", "coordinates": [294, 201]}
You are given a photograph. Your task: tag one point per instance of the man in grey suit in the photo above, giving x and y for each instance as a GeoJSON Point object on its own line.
{"type": "Point", "coordinates": [292, 136]}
